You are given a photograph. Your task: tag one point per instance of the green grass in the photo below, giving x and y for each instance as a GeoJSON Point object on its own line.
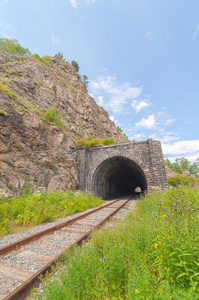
{"type": "Point", "coordinates": [153, 254]}
{"type": "Point", "coordinates": [21, 212]}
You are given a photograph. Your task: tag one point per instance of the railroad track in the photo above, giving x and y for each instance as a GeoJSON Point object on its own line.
{"type": "Point", "coordinates": [22, 262]}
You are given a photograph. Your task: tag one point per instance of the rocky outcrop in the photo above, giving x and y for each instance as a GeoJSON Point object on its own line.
{"type": "Point", "coordinates": [33, 149]}
{"type": "Point", "coordinates": [170, 173]}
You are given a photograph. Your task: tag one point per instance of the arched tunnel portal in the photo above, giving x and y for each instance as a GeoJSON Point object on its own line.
{"type": "Point", "coordinates": [118, 176]}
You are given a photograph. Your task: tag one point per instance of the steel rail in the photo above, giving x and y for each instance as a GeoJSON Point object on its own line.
{"type": "Point", "coordinates": [16, 245]}
{"type": "Point", "coordinates": [19, 291]}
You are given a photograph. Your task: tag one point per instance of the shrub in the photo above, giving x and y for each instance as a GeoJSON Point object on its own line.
{"type": "Point", "coordinates": [75, 65]}
{"type": "Point", "coordinates": [14, 47]}
{"type": "Point", "coordinates": [95, 142]}
{"type": "Point", "coordinates": [80, 143]}
{"type": "Point", "coordinates": [106, 141]}
{"type": "Point", "coordinates": [183, 180]}
{"type": "Point", "coordinates": [52, 116]}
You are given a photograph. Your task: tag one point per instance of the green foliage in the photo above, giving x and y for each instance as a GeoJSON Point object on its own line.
{"type": "Point", "coordinates": [180, 180]}
{"type": "Point", "coordinates": [55, 90]}
{"type": "Point", "coordinates": [53, 165]}
{"type": "Point", "coordinates": [95, 142]}
{"type": "Point", "coordinates": [78, 76]}
{"type": "Point", "coordinates": [153, 254]}
{"type": "Point", "coordinates": [52, 116]}
{"type": "Point", "coordinates": [14, 47]}
{"type": "Point", "coordinates": [61, 56]}
{"type": "Point", "coordinates": [4, 113]}
{"type": "Point", "coordinates": [45, 59]}
{"type": "Point", "coordinates": [38, 83]}
{"type": "Point", "coordinates": [75, 65]}
{"type": "Point", "coordinates": [9, 184]}
{"type": "Point", "coordinates": [15, 97]}
{"type": "Point", "coordinates": [183, 164]}
{"type": "Point", "coordinates": [36, 56]}
{"type": "Point", "coordinates": [106, 141]}
{"type": "Point", "coordinates": [36, 208]}
{"type": "Point", "coordinates": [119, 129]}
{"type": "Point", "coordinates": [85, 80]}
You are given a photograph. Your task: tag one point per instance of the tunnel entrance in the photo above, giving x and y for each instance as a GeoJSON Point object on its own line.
{"type": "Point", "coordinates": [118, 176]}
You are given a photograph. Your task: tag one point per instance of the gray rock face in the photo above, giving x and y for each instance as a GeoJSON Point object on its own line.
{"type": "Point", "coordinates": [31, 149]}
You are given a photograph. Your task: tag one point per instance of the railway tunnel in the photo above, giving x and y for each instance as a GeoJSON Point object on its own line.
{"type": "Point", "coordinates": [121, 169]}
{"type": "Point", "coordinates": [118, 176]}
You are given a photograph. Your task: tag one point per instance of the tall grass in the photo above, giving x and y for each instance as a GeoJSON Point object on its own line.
{"type": "Point", "coordinates": [28, 210]}
{"type": "Point", "coordinates": [153, 254]}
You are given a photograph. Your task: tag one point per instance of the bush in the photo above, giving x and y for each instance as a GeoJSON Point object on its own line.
{"type": "Point", "coordinates": [52, 116]}
{"type": "Point", "coordinates": [14, 47]}
{"type": "Point", "coordinates": [183, 180]}
{"type": "Point", "coordinates": [95, 142]}
{"type": "Point", "coordinates": [75, 65]}
{"type": "Point", "coordinates": [106, 141]}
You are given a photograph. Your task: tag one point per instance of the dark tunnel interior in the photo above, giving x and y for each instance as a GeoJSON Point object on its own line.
{"type": "Point", "coordinates": [118, 176]}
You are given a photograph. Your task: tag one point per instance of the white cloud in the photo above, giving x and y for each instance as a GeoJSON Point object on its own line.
{"type": "Point", "coordinates": [118, 94]}
{"type": "Point", "coordinates": [100, 100]}
{"type": "Point", "coordinates": [112, 118]}
{"type": "Point", "coordinates": [74, 3]}
{"type": "Point", "coordinates": [188, 149]}
{"type": "Point", "coordinates": [139, 105]}
{"type": "Point", "coordinates": [148, 35]}
{"type": "Point", "coordinates": [195, 32]}
{"type": "Point", "coordinates": [89, 1]}
{"type": "Point", "coordinates": [148, 123]}
{"type": "Point", "coordinates": [54, 39]}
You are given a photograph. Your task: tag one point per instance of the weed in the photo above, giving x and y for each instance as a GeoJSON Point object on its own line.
{"type": "Point", "coordinates": [52, 116]}
{"type": "Point", "coordinates": [34, 208]}
{"type": "Point", "coordinates": [4, 113]}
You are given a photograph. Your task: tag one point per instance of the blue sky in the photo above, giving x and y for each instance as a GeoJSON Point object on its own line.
{"type": "Point", "coordinates": [141, 57]}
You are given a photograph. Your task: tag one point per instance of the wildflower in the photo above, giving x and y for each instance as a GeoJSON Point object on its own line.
{"type": "Point", "coordinates": [107, 268]}
{"type": "Point", "coordinates": [165, 222]}
{"type": "Point", "coordinates": [178, 201]}
{"type": "Point", "coordinates": [169, 196]}
{"type": "Point", "coordinates": [181, 208]}
{"type": "Point", "coordinates": [193, 209]}
{"type": "Point", "coordinates": [174, 204]}
{"type": "Point", "coordinates": [136, 292]}
{"type": "Point", "coordinates": [156, 246]}
{"type": "Point", "coordinates": [186, 201]}
{"type": "Point", "coordinates": [190, 203]}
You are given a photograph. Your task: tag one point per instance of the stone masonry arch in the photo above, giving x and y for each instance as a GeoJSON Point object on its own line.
{"type": "Point", "coordinates": [112, 171]}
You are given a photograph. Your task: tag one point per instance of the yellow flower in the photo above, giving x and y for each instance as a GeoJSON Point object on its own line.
{"type": "Point", "coordinates": [136, 292]}
{"type": "Point", "coordinates": [156, 246]}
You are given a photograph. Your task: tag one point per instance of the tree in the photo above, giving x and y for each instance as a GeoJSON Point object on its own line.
{"type": "Point", "coordinates": [14, 47]}
{"type": "Point", "coordinates": [85, 80]}
{"type": "Point", "coordinates": [75, 65]}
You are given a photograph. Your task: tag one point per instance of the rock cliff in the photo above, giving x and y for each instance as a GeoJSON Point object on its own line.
{"type": "Point", "coordinates": [44, 108]}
